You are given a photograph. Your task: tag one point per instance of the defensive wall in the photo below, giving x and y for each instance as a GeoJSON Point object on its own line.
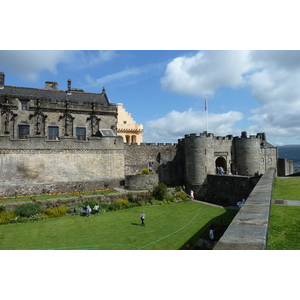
{"type": "Point", "coordinates": [166, 160]}
{"type": "Point", "coordinates": [285, 167]}
{"type": "Point", "coordinates": [227, 190]}
{"type": "Point", "coordinates": [249, 228]}
{"type": "Point", "coordinates": [37, 165]}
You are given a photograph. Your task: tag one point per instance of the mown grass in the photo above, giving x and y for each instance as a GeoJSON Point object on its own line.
{"type": "Point", "coordinates": [284, 229]}
{"type": "Point", "coordinates": [167, 227]}
{"type": "Point", "coordinates": [287, 188]}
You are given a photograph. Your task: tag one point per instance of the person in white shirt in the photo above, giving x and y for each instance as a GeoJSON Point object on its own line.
{"type": "Point", "coordinates": [142, 218]}
{"type": "Point", "coordinates": [96, 209]}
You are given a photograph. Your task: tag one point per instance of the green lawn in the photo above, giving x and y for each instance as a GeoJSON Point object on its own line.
{"type": "Point", "coordinates": [284, 229]}
{"type": "Point", "coordinates": [167, 227]}
{"type": "Point", "coordinates": [287, 188]}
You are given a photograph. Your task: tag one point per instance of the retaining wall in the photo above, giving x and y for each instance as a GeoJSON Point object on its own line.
{"type": "Point", "coordinates": [249, 228]}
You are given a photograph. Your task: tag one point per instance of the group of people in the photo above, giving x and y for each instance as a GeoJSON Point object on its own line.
{"type": "Point", "coordinates": [89, 210]}
{"type": "Point", "coordinates": [221, 171]}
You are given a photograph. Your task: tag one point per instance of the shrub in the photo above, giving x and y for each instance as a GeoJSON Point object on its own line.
{"type": "Point", "coordinates": [181, 195]}
{"type": "Point", "coordinates": [28, 210]}
{"type": "Point", "coordinates": [122, 202]}
{"type": "Point", "coordinates": [56, 211]}
{"type": "Point", "coordinates": [7, 217]}
{"type": "Point", "coordinates": [160, 191]}
{"type": "Point", "coordinates": [178, 188]}
{"type": "Point", "coordinates": [2, 209]}
{"type": "Point", "coordinates": [170, 198]}
{"type": "Point", "coordinates": [130, 197]}
{"type": "Point", "coordinates": [145, 171]}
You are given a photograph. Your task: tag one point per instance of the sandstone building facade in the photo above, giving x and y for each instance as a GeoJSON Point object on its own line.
{"type": "Point", "coordinates": [131, 132]}
{"type": "Point", "coordinates": [53, 140]}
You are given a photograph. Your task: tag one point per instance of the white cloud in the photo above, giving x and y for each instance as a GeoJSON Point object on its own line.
{"type": "Point", "coordinates": [272, 76]}
{"type": "Point", "coordinates": [88, 59]}
{"type": "Point", "coordinates": [29, 63]}
{"type": "Point", "coordinates": [275, 86]}
{"type": "Point", "coordinates": [205, 72]}
{"type": "Point", "coordinates": [176, 124]}
{"type": "Point", "coordinates": [127, 76]}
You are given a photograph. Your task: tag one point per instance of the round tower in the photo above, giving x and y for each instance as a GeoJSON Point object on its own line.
{"type": "Point", "coordinates": [198, 159]}
{"type": "Point", "coordinates": [247, 154]}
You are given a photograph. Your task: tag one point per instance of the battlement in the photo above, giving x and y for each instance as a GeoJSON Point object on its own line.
{"type": "Point", "coordinates": [205, 135]}
{"type": "Point", "coordinates": [258, 136]}
{"type": "Point", "coordinates": [152, 144]}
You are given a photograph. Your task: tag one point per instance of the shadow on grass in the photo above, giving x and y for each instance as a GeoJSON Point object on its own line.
{"type": "Point", "coordinates": [135, 224]}
{"type": "Point", "coordinates": [219, 224]}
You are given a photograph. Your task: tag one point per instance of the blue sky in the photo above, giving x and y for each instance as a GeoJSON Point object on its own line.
{"type": "Point", "coordinates": [253, 91]}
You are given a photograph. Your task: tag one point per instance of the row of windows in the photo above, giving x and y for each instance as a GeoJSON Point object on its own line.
{"type": "Point", "coordinates": [53, 132]}
{"type": "Point", "coordinates": [262, 150]}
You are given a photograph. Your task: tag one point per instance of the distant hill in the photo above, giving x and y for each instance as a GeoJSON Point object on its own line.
{"type": "Point", "coordinates": [291, 152]}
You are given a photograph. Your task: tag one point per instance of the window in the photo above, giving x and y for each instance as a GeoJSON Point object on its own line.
{"type": "Point", "coordinates": [53, 133]}
{"type": "Point", "coordinates": [23, 131]}
{"type": "Point", "coordinates": [24, 105]}
{"type": "Point", "coordinates": [80, 133]}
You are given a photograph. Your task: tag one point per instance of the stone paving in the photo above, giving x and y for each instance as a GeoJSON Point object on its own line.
{"type": "Point", "coordinates": [286, 202]}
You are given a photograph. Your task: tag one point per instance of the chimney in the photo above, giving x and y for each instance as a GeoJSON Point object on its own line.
{"type": "Point", "coordinates": [51, 85]}
{"type": "Point", "coordinates": [69, 86]}
{"type": "Point", "coordinates": [2, 77]}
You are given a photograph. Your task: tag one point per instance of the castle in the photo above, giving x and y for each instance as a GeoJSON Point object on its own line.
{"type": "Point", "coordinates": [53, 140]}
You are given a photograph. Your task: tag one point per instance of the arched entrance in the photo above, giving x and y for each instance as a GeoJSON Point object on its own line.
{"type": "Point", "coordinates": [221, 162]}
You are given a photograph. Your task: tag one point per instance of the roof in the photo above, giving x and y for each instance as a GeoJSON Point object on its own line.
{"type": "Point", "coordinates": [55, 95]}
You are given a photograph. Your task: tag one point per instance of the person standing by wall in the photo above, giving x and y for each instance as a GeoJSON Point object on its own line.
{"type": "Point", "coordinates": [192, 195]}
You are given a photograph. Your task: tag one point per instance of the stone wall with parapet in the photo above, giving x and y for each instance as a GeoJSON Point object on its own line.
{"type": "Point", "coordinates": [36, 165]}
{"type": "Point", "coordinates": [285, 167]}
{"type": "Point", "coordinates": [229, 189]}
{"type": "Point", "coordinates": [141, 181]}
{"type": "Point", "coordinates": [249, 228]}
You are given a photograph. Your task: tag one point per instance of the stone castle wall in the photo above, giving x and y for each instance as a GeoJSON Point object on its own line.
{"type": "Point", "coordinates": [61, 164]}
{"type": "Point", "coordinates": [166, 158]}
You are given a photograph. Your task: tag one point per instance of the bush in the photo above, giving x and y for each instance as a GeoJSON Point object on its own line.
{"type": "Point", "coordinates": [145, 171]}
{"type": "Point", "coordinates": [2, 209]}
{"type": "Point", "coordinates": [130, 197]}
{"type": "Point", "coordinates": [56, 211]}
{"type": "Point", "coordinates": [122, 202]}
{"type": "Point", "coordinates": [160, 191]}
{"type": "Point", "coordinates": [181, 195]}
{"type": "Point", "coordinates": [28, 210]}
{"type": "Point", "coordinates": [7, 217]}
{"type": "Point", "coordinates": [178, 188]}
{"type": "Point", "coordinates": [170, 198]}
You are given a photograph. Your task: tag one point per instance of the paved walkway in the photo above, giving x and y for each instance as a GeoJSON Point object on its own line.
{"type": "Point", "coordinates": [286, 202]}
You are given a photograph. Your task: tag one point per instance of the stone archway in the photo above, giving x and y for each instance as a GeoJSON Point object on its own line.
{"type": "Point", "coordinates": [221, 162]}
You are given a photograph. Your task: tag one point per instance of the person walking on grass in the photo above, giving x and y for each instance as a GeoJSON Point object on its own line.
{"type": "Point", "coordinates": [88, 210]}
{"type": "Point", "coordinates": [142, 218]}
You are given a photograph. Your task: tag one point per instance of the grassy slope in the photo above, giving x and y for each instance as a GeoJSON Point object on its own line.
{"type": "Point", "coordinates": [284, 230]}
{"type": "Point", "coordinates": [287, 188]}
{"type": "Point", "coordinates": [167, 227]}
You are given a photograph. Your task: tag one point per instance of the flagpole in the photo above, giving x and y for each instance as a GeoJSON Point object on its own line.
{"type": "Point", "coordinates": [206, 109]}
